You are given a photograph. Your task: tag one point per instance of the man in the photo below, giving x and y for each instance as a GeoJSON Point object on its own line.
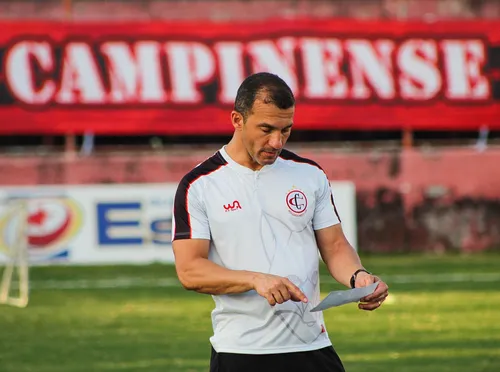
{"type": "Point", "coordinates": [248, 224]}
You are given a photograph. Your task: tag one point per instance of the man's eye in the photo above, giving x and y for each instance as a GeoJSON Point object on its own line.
{"type": "Point", "coordinates": [266, 130]}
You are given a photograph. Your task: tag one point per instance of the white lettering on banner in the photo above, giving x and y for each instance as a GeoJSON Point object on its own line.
{"type": "Point", "coordinates": [81, 81]}
{"type": "Point", "coordinates": [463, 69]}
{"type": "Point", "coordinates": [371, 63]}
{"type": "Point", "coordinates": [276, 56]}
{"type": "Point", "coordinates": [420, 78]}
{"type": "Point", "coordinates": [135, 75]}
{"type": "Point", "coordinates": [322, 61]}
{"type": "Point", "coordinates": [190, 64]}
{"type": "Point", "coordinates": [19, 72]}
{"type": "Point", "coordinates": [177, 72]}
{"type": "Point", "coordinates": [231, 70]}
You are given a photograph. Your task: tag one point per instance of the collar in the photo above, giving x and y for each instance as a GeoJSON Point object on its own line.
{"type": "Point", "coordinates": [241, 168]}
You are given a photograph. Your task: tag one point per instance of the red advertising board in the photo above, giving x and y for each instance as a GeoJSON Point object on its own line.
{"type": "Point", "coordinates": [181, 78]}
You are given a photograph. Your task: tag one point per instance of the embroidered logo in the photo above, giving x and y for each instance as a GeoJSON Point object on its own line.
{"type": "Point", "coordinates": [296, 201]}
{"type": "Point", "coordinates": [232, 207]}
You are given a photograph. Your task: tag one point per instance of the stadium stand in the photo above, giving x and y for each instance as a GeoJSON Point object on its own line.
{"type": "Point", "coordinates": [220, 10]}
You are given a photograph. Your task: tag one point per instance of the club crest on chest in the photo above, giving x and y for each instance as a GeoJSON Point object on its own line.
{"type": "Point", "coordinates": [296, 202]}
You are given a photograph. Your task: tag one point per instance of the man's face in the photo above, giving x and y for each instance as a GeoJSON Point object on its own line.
{"type": "Point", "coordinates": [266, 131]}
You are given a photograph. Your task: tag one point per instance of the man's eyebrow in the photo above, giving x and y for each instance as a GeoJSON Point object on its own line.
{"type": "Point", "coordinates": [269, 126]}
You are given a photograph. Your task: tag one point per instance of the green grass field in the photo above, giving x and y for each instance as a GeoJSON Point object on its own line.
{"type": "Point", "coordinates": [443, 315]}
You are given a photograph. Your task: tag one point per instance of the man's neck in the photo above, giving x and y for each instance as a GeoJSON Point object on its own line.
{"type": "Point", "coordinates": [239, 154]}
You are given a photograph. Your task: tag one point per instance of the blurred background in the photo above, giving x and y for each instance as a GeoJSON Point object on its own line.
{"type": "Point", "coordinates": [106, 104]}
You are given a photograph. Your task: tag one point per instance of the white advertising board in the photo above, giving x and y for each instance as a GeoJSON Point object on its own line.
{"type": "Point", "coordinates": [112, 224]}
{"type": "Point", "coordinates": [344, 195]}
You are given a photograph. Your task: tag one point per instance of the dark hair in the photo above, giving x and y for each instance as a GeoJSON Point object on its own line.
{"type": "Point", "coordinates": [266, 86]}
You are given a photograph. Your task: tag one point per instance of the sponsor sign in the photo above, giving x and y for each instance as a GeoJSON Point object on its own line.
{"type": "Point", "coordinates": [109, 224]}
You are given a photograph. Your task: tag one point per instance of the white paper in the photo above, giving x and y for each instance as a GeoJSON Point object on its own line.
{"type": "Point", "coordinates": [337, 298]}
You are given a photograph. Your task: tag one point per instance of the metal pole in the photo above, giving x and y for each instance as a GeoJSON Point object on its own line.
{"type": "Point", "coordinates": [68, 9]}
{"type": "Point", "coordinates": [69, 139]}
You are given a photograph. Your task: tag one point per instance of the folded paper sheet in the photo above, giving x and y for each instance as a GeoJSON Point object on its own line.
{"type": "Point", "coordinates": [338, 298]}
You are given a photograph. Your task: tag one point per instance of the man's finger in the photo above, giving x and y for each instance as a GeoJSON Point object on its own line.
{"type": "Point", "coordinates": [374, 296]}
{"type": "Point", "coordinates": [285, 293]}
{"type": "Point", "coordinates": [380, 291]}
{"type": "Point", "coordinates": [278, 297]}
{"type": "Point", "coordinates": [271, 300]}
{"type": "Point", "coordinates": [295, 293]}
{"type": "Point", "coordinates": [369, 306]}
{"type": "Point", "coordinates": [379, 299]}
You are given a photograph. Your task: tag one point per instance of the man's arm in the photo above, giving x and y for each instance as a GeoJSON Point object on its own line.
{"type": "Point", "coordinates": [338, 254]}
{"type": "Point", "coordinates": [342, 261]}
{"type": "Point", "coordinates": [197, 273]}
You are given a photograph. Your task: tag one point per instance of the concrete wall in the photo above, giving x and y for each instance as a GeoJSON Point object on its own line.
{"type": "Point", "coordinates": [447, 199]}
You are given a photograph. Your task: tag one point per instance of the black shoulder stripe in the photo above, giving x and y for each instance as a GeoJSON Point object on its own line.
{"type": "Point", "coordinates": [182, 219]}
{"type": "Point", "coordinates": [288, 155]}
{"type": "Point", "coordinates": [335, 207]}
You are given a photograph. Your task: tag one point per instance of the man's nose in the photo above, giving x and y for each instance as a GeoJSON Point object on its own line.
{"type": "Point", "coordinates": [276, 141]}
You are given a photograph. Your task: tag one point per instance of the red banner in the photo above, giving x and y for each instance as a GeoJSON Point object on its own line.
{"type": "Point", "coordinates": [181, 78]}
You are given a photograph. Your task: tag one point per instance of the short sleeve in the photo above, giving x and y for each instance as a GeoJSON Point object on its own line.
{"type": "Point", "coordinates": [325, 212]}
{"type": "Point", "coordinates": [189, 217]}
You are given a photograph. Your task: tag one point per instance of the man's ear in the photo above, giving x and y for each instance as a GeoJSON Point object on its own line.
{"type": "Point", "coordinates": [237, 120]}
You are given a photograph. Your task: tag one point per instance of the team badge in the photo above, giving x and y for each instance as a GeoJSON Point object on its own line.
{"type": "Point", "coordinates": [296, 201]}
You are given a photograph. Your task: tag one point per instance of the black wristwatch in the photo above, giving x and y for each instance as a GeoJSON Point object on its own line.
{"type": "Point", "coordinates": [353, 277]}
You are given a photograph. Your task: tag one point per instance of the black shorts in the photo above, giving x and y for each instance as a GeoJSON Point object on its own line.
{"type": "Point", "coordinates": [322, 360]}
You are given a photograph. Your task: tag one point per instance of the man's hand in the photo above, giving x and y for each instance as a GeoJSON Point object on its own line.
{"type": "Point", "coordinates": [374, 300]}
{"type": "Point", "coordinates": [277, 289]}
